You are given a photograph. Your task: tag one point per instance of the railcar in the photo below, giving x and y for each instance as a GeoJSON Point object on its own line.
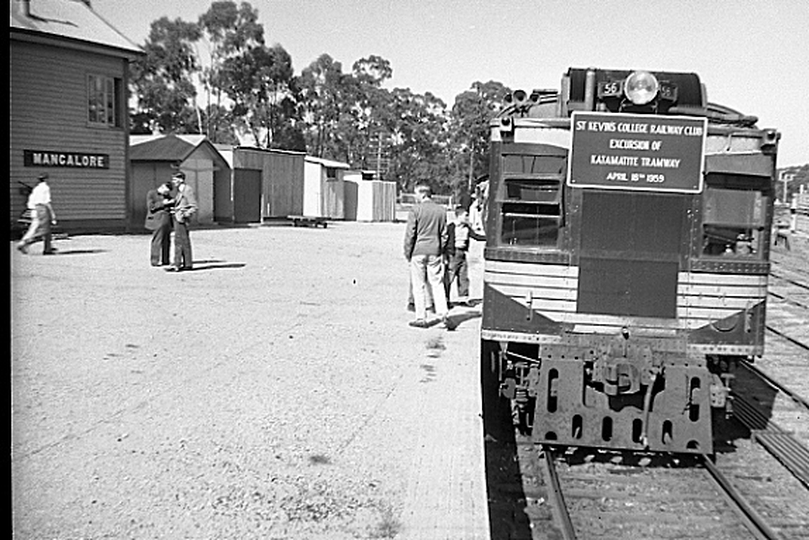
{"type": "Point", "coordinates": [625, 271]}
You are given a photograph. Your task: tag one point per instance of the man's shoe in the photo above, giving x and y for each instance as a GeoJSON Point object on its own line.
{"type": "Point", "coordinates": [22, 248]}
{"type": "Point", "coordinates": [418, 323]}
{"type": "Point", "coordinates": [448, 324]}
{"type": "Point", "coordinates": [173, 269]}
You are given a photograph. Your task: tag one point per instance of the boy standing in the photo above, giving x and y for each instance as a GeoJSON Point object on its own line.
{"type": "Point", "coordinates": [460, 231]}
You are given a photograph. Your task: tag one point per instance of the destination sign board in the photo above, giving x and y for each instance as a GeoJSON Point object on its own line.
{"type": "Point", "coordinates": [637, 152]}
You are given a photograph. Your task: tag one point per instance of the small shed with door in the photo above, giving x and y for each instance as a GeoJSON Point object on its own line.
{"type": "Point", "coordinates": [367, 198]}
{"type": "Point", "coordinates": [154, 158]}
{"type": "Point", "coordinates": [324, 188]}
{"type": "Point", "coordinates": [266, 184]}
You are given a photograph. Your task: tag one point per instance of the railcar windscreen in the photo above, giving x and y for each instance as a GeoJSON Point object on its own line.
{"type": "Point", "coordinates": [531, 211]}
{"type": "Point", "coordinates": [734, 216]}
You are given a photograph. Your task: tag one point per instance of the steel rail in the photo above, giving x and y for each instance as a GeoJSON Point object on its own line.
{"type": "Point", "coordinates": [788, 300]}
{"type": "Point", "coordinates": [794, 341]}
{"type": "Point", "coordinates": [751, 519]}
{"type": "Point", "coordinates": [779, 443]}
{"type": "Point", "coordinates": [566, 524]}
{"type": "Point", "coordinates": [775, 383]}
{"type": "Point", "coordinates": [790, 281]}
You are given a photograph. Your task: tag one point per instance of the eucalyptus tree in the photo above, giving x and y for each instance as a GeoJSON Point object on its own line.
{"type": "Point", "coordinates": [365, 133]}
{"type": "Point", "coordinates": [469, 125]}
{"type": "Point", "coordinates": [261, 86]}
{"type": "Point", "coordinates": [231, 32]}
{"type": "Point", "coordinates": [162, 79]}
{"type": "Point", "coordinates": [322, 95]}
{"type": "Point", "coordinates": [419, 132]}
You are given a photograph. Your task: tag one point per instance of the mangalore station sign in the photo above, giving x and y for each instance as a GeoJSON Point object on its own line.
{"type": "Point", "coordinates": [637, 152]}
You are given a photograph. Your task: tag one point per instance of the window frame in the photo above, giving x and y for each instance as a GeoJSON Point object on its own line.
{"type": "Point", "coordinates": [750, 242]}
{"type": "Point", "coordinates": [104, 101]}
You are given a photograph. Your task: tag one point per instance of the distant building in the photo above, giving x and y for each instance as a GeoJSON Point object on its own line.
{"type": "Point", "coordinates": [69, 74]}
{"type": "Point", "coordinates": [154, 158]}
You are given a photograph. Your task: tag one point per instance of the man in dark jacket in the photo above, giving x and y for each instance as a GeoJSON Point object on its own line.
{"type": "Point", "coordinates": [424, 245]}
{"type": "Point", "coordinates": [158, 220]}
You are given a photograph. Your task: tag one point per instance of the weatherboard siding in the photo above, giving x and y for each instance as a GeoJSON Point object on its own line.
{"type": "Point", "coordinates": [48, 112]}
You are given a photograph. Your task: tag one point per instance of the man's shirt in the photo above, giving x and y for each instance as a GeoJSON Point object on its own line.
{"type": "Point", "coordinates": [40, 195]}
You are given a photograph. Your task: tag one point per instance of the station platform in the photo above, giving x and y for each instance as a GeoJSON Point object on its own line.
{"type": "Point", "coordinates": [446, 498]}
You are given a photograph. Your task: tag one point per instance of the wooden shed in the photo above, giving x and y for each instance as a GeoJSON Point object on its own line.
{"type": "Point", "coordinates": [154, 158]}
{"type": "Point", "coordinates": [324, 188]}
{"type": "Point", "coordinates": [368, 199]}
{"type": "Point", "coordinates": [267, 183]}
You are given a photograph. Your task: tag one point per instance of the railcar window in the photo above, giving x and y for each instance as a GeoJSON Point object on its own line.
{"type": "Point", "coordinates": [531, 212]}
{"type": "Point", "coordinates": [734, 217]}
{"type": "Point", "coordinates": [533, 164]}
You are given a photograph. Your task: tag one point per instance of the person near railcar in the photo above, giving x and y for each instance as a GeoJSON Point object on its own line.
{"type": "Point", "coordinates": [424, 241]}
{"type": "Point", "coordinates": [460, 232]}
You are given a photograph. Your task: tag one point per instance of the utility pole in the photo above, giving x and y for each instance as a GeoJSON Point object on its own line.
{"type": "Point", "coordinates": [786, 178]}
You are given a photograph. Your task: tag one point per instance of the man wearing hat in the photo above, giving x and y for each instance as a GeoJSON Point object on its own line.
{"type": "Point", "coordinates": [158, 220]}
{"type": "Point", "coordinates": [42, 217]}
{"type": "Point", "coordinates": [185, 206]}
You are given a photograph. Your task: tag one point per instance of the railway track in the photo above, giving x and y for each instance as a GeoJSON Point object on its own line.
{"type": "Point", "coordinates": [755, 486]}
{"type": "Point", "coordinates": [788, 308]}
{"type": "Point", "coordinates": [599, 495]}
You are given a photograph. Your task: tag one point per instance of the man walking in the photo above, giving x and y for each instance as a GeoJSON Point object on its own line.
{"type": "Point", "coordinates": [185, 206]}
{"type": "Point", "coordinates": [42, 217]}
{"type": "Point", "coordinates": [424, 241]}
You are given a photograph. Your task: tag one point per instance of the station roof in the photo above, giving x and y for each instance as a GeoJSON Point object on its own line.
{"type": "Point", "coordinates": [72, 21]}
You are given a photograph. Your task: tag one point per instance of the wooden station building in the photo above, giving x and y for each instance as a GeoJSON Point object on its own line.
{"type": "Point", "coordinates": [68, 113]}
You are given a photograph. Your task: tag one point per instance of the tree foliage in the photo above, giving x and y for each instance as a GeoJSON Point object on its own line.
{"type": "Point", "coordinates": [162, 78]}
{"type": "Point", "coordinates": [249, 92]}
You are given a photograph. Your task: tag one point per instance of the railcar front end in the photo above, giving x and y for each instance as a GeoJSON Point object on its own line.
{"type": "Point", "coordinates": [627, 255]}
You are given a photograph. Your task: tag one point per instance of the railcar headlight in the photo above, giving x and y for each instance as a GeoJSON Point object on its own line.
{"type": "Point", "coordinates": [641, 87]}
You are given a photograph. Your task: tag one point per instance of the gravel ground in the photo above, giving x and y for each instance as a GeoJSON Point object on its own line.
{"type": "Point", "coordinates": [273, 392]}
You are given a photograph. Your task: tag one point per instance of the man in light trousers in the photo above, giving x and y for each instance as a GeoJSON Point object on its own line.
{"type": "Point", "coordinates": [424, 242]}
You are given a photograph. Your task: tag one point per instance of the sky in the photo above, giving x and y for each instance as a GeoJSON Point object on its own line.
{"type": "Point", "coordinates": [751, 55]}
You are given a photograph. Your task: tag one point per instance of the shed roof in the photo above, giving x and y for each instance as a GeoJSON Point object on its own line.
{"type": "Point", "coordinates": [72, 20]}
{"type": "Point", "coordinates": [328, 162]}
{"type": "Point", "coordinates": [171, 147]}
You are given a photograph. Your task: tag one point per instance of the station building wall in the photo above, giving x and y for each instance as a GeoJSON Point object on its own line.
{"type": "Point", "coordinates": [51, 132]}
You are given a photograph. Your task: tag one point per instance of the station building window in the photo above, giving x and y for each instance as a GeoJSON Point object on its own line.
{"type": "Point", "coordinates": [734, 216]}
{"type": "Point", "coordinates": [104, 101]}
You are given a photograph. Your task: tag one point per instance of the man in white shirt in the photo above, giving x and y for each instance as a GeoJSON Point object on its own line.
{"type": "Point", "coordinates": [42, 217]}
